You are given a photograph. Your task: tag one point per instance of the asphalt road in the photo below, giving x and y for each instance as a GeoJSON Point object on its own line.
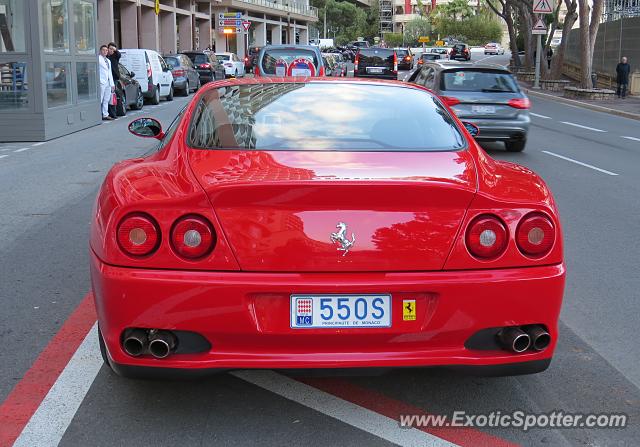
{"type": "Point", "coordinates": [47, 192]}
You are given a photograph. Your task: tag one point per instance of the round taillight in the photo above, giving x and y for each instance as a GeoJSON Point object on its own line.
{"type": "Point", "coordinates": [192, 237]}
{"type": "Point", "coordinates": [486, 237]}
{"type": "Point", "coordinates": [138, 235]}
{"type": "Point", "coordinates": [535, 235]}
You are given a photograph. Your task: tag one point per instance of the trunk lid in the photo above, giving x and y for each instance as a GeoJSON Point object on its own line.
{"type": "Point", "coordinates": [280, 209]}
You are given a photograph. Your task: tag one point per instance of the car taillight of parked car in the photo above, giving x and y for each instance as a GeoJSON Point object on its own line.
{"type": "Point", "coordinates": [138, 235]}
{"type": "Point", "coordinates": [192, 237]}
{"type": "Point", "coordinates": [395, 62]}
{"type": "Point", "coordinates": [520, 103]}
{"type": "Point", "coordinates": [356, 62]}
{"type": "Point", "coordinates": [148, 70]}
{"type": "Point", "coordinates": [178, 73]}
{"type": "Point", "coordinates": [486, 237]}
{"type": "Point", "coordinates": [205, 66]}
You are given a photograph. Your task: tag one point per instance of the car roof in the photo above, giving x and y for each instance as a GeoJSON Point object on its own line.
{"type": "Point", "coordinates": [447, 64]}
{"type": "Point", "coordinates": [297, 47]}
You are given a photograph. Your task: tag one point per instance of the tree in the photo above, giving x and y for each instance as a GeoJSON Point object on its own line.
{"type": "Point", "coordinates": [588, 34]}
{"type": "Point", "coordinates": [455, 10]}
{"type": "Point", "coordinates": [558, 55]}
{"type": "Point", "coordinates": [393, 39]}
{"type": "Point", "coordinates": [476, 30]}
{"type": "Point", "coordinates": [416, 28]}
{"type": "Point", "coordinates": [506, 12]}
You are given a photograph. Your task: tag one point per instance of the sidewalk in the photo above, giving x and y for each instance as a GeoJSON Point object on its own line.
{"type": "Point", "coordinates": [628, 107]}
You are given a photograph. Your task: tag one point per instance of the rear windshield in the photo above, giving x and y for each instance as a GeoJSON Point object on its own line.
{"type": "Point", "coordinates": [321, 116]}
{"type": "Point", "coordinates": [198, 58]}
{"type": "Point", "coordinates": [479, 81]}
{"type": "Point", "coordinates": [223, 57]}
{"type": "Point", "coordinates": [402, 53]}
{"type": "Point", "coordinates": [277, 61]}
{"type": "Point", "coordinates": [172, 60]}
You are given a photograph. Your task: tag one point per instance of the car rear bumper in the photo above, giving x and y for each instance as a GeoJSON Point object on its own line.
{"type": "Point", "coordinates": [246, 316]}
{"type": "Point", "coordinates": [180, 83]}
{"type": "Point", "coordinates": [500, 130]}
{"type": "Point", "coordinates": [392, 76]}
{"type": "Point", "coordinates": [206, 77]}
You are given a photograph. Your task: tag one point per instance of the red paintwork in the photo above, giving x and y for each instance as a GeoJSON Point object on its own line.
{"type": "Point", "coordinates": [273, 213]}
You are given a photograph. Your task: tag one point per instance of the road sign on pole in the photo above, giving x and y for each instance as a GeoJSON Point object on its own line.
{"type": "Point", "coordinates": [539, 27]}
{"type": "Point", "coordinates": [543, 6]}
{"type": "Point", "coordinates": [246, 24]}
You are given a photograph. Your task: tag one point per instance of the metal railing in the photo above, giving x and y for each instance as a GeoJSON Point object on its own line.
{"type": "Point", "coordinates": [293, 7]}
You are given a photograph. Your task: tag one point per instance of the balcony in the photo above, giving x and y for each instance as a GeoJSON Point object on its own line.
{"type": "Point", "coordinates": [404, 18]}
{"type": "Point", "coordinates": [291, 7]}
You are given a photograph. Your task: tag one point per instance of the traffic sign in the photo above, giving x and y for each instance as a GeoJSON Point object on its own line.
{"type": "Point", "coordinates": [539, 28]}
{"type": "Point", "coordinates": [423, 39]}
{"type": "Point", "coordinates": [542, 7]}
{"type": "Point", "coordinates": [440, 43]}
{"type": "Point", "coordinates": [246, 24]}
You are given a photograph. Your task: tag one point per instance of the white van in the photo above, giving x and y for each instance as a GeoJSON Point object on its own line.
{"type": "Point", "coordinates": [151, 71]}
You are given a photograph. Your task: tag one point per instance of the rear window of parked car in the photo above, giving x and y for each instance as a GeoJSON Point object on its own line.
{"type": "Point", "coordinates": [322, 117]}
{"type": "Point", "coordinates": [272, 55]}
{"type": "Point", "coordinates": [479, 81]}
{"type": "Point", "coordinates": [198, 58]}
{"type": "Point", "coordinates": [172, 60]}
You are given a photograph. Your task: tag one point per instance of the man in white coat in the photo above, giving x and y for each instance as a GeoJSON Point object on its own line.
{"type": "Point", "coordinates": [107, 86]}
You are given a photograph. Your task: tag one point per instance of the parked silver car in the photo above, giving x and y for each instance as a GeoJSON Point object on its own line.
{"type": "Point", "coordinates": [486, 95]}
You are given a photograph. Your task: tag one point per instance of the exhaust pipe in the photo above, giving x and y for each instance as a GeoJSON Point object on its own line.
{"type": "Point", "coordinates": [161, 343]}
{"type": "Point", "coordinates": [514, 339]}
{"type": "Point", "coordinates": [135, 342]}
{"type": "Point", "coordinates": [540, 338]}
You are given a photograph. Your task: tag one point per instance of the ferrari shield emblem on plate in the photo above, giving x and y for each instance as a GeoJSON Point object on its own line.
{"type": "Point", "coordinates": [340, 237]}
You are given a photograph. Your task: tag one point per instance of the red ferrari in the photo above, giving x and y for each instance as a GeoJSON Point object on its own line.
{"type": "Point", "coordinates": [325, 223]}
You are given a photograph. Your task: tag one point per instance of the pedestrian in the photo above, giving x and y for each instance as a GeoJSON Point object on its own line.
{"type": "Point", "coordinates": [107, 86]}
{"type": "Point", "coordinates": [549, 57]}
{"type": "Point", "coordinates": [114, 58]}
{"type": "Point", "coordinates": [622, 77]}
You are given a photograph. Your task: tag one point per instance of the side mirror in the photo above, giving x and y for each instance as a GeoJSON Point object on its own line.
{"type": "Point", "coordinates": [170, 66]}
{"type": "Point", "coordinates": [132, 74]}
{"type": "Point", "coordinates": [471, 128]}
{"type": "Point", "coordinates": [146, 128]}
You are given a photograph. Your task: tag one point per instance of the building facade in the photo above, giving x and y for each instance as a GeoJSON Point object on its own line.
{"type": "Point", "coordinates": [171, 26]}
{"type": "Point", "coordinates": [48, 68]}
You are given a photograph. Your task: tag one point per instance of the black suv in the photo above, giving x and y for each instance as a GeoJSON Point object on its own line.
{"type": "Point", "coordinates": [376, 62]}
{"type": "Point", "coordinates": [207, 65]}
{"type": "Point", "coordinates": [460, 51]}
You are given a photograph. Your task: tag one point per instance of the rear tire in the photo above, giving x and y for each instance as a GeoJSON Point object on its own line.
{"type": "Point", "coordinates": [155, 99]}
{"type": "Point", "coordinates": [187, 90]}
{"type": "Point", "coordinates": [515, 146]}
{"type": "Point", "coordinates": [170, 95]}
{"type": "Point", "coordinates": [139, 101]}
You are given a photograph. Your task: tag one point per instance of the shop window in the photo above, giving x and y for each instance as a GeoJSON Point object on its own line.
{"type": "Point", "coordinates": [87, 80]}
{"type": "Point", "coordinates": [57, 83]}
{"type": "Point", "coordinates": [12, 26]}
{"type": "Point", "coordinates": [55, 26]}
{"type": "Point", "coordinates": [14, 86]}
{"type": "Point", "coordinates": [84, 27]}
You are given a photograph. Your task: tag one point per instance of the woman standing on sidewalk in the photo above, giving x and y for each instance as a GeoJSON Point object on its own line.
{"type": "Point", "coordinates": [107, 86]}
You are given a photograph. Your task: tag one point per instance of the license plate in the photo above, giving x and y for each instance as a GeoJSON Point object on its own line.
{"type": "Point", "coordinates": [374, 70]}
{"type": "Point", "coordinates": [340, 311]}
{"type": "Point", "coordinates": [483, 109]}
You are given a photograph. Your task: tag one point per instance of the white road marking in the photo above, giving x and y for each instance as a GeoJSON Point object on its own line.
{"type": "Point", "coordinates": [540, 116]}
{"type": "Point", "coordinates": [583, 127]}
{"type": "Point", "coordinates": [55, 413]}
{"type": "Point", "coordinates": [39, 144]}
{"type": "Point", "coordinates": [632, 138]}
{"type": "Point", "coordinates": [340, 409]}
{"type": "Point", "coordinates": [580, 163]}
{"type": "Point", "coordinates": [22, 149]}
{"type": "Point", "coordinates": [3, 156]}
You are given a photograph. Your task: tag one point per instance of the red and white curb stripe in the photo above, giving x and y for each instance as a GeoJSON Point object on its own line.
{"type": "Point", "coordinates": [43, 404]}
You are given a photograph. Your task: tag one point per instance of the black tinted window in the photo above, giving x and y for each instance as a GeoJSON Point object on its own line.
{"type": "Point", "coordinates": [322, 117]}
{"type": "Point", "coordinates": [276, 61]}
{"type": "Point", "coordinates": [172, 60]}
{"type": "Point", "coordinates": [479, 81]}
